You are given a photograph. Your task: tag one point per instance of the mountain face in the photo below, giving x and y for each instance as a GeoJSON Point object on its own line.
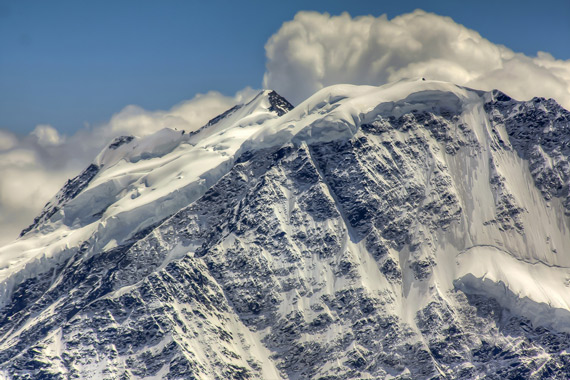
{"type": "Point", "coordinates": [417, 230]}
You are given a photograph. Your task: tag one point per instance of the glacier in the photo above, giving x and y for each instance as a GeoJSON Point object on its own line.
{"type": "Point", "coordinates": [413, 230]}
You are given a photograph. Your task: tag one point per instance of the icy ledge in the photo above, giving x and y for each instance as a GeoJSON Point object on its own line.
{"type": "Point", "coordinates": [537, 291]}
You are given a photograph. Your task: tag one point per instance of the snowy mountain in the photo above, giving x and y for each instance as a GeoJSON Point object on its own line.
{"type": "Point", "coordinates": [418, 230]}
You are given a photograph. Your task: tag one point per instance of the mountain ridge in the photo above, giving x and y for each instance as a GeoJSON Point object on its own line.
{"type": "Point", "coordinates": [416, 230]}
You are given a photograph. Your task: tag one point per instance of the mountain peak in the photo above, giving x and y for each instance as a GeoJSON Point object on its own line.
{"type": "Point", "coordinates": [271, 101]}
{"type": "Point", "coordinates": [369, 232]}
{"type": "Point", "coordinates": [278, 103]}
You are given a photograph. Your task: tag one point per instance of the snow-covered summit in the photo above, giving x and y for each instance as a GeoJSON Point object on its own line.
{"type": "Point", "coordinates": [361, 228]}
{"type": "Point", "coordinates": [134, 183]}
{"type": "Point", "coordinates": [131, 167]}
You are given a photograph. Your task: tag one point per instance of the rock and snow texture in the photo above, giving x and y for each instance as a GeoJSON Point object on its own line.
{"type": "Point", "coordinates": [417, 230]}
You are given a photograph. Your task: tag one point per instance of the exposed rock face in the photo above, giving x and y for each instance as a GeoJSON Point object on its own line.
{"type": "Point", "coordinates": [278, 104]}
{"type": "Point", "coordinates": [382, 255]}
{"type": "Point", "coordinates": [538, 130]}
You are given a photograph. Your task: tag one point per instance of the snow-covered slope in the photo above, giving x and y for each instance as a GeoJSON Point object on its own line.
{"type": "Point", "coordinates": [414, 230]}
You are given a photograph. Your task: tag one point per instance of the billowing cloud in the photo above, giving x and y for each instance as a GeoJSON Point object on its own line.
{"type": "Point", "coordinates": [34, 167]}
{"type": "Point", "coordinates": [317, 50]}
{"type": "Point", "coordinates": [46, 135]}
{"type": "Point", "coordinates": [7, 140]}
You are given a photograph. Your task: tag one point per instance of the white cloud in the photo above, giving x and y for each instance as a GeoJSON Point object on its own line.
{"type": "Point", "coordinates": [7, 140]}
{"type": "Point", "coordinates": [26, 185]}
{"type": "Point", "coordinates": [317, 50]}
{"type": "Point", "coordinates": [189, 115]}
{"type": "Point", "coordinates": [46, 135]}
{"type": "Point", "coordinates": [34, 167]}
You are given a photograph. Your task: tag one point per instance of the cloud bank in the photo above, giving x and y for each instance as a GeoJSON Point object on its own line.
{"type": "Point", "coordinates": [317, 50]}
{"type": "Point", "coordinates": [34, 167]}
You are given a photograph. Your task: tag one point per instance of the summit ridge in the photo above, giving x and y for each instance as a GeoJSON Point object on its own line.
{"type": "Point", "coordinates": [416, 230]}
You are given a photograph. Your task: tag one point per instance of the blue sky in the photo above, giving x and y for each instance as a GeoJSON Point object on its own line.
{"type": "Point", "coordinates": [68, 63]}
